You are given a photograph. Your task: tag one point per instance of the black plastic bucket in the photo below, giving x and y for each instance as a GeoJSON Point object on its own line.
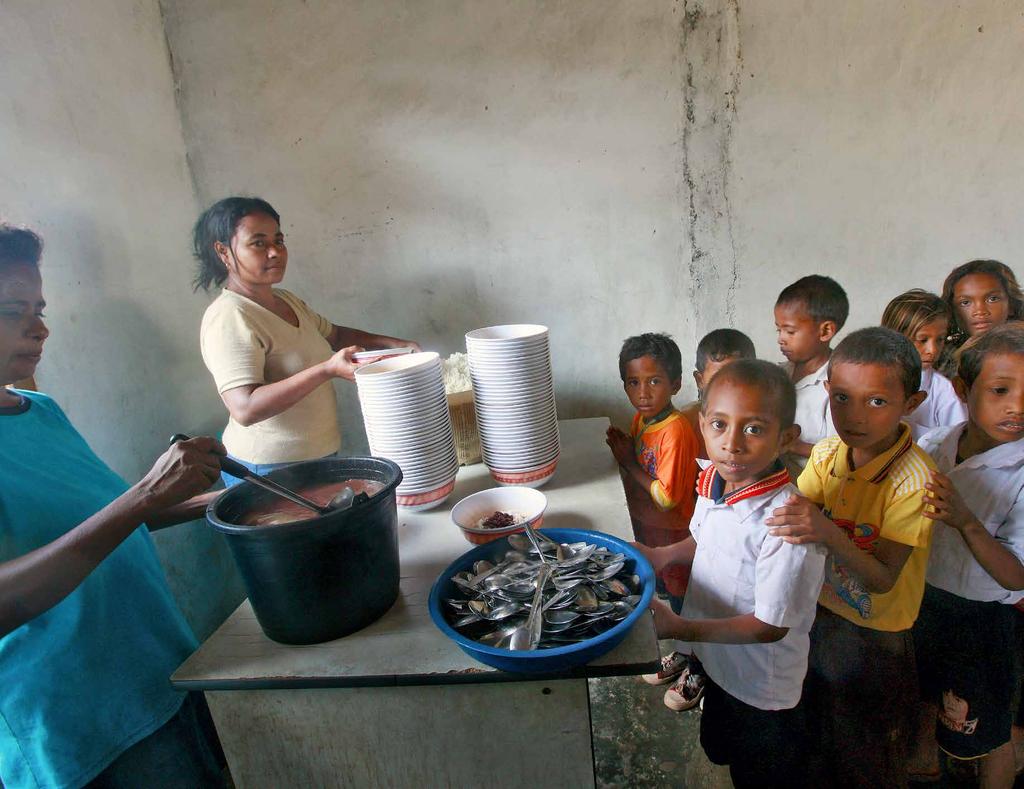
{"type": "Point", "coordinates": [323, 578]}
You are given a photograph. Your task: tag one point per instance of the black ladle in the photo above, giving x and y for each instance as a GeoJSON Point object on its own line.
{"type": "Point", "coordinates": [340, 500]}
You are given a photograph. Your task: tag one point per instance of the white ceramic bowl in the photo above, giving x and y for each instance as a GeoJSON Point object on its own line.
{"type": "Point", "coordinates": [523, 501]}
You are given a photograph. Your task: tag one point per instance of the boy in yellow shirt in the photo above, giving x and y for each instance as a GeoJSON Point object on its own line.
{"type": "Point", "coordinates": [863, 499]}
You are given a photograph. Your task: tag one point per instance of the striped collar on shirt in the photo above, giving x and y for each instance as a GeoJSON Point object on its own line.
{"type": "Point", "coordinates": [710, 485]}
{"type": "Point", "coordinates": [878, 468]}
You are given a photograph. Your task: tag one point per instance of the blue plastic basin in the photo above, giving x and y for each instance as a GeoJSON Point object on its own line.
{"type": "Point", "coordinates": [543, 660]}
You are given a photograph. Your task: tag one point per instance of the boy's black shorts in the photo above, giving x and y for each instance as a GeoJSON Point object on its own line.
{"type": "Point", "coordinates": [968, 665]}
{"type": "Point", "coordinates": [861, 696]}
{"type": "Point", "coordinates": [763, 748]}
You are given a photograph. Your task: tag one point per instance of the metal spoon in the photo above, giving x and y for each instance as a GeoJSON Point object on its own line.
{"type": "Point", "coordinates": [527, 636]}
{"type": "Point", "coordinates": [343, 498]}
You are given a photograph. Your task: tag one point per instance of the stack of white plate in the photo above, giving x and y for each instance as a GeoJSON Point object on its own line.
{"type": "Point", "coordinates": [405, 413]}
{"type": "Point", "coordinates": [515, 402]}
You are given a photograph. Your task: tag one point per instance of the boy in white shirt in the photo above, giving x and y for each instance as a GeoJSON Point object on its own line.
{"type": "Point", "coordinates": [808, 314]}
{"type": "Point", "coordinates": [965, 636]}
{"type": "Point", "coordinates": [751, 597]}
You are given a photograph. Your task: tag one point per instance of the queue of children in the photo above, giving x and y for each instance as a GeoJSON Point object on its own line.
{"type": "Point", "coordinates": [847, 568]}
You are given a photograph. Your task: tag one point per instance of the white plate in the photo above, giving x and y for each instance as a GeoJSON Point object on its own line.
{"type": "Point", "coordinates": [381, 353]}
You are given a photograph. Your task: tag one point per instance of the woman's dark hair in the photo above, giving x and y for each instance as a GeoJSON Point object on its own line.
{"type": "Point", "coordinates": [660, 347]}
{"type": "Point", "coordinates": [993, 268]}
{"type": "Point", "coordinates": [219, 223]}
{"type": "Point", "coordinates": [19, 245]}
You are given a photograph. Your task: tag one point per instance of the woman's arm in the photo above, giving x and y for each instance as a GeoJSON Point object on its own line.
{"type": "Point", "coordinates": [255, 402]}
{"type": "Point", "coordinates": [190, 510]}
{"type": "Point", "coordinates": [32, 584]}
{"type": "Point", "coordinates": [343, 336]}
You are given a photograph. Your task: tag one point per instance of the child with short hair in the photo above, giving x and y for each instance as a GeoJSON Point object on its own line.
{"type": "Point", "coordinates": [965, 637]}
{"type": "Point", "coordinates": [715, 350]}
{"type": "Point", "coordinates": [923, 318]}
{"type": "Point", "coordinates": [980, 294]}
{"type": "Point", "coordinates": [658, 458]}
{"type": "Point", "coordinates": [863, 499]}
{"type": "Point", "coordinates": [808, 314]}
{"type": "Point", "coordinates": [751, 598]}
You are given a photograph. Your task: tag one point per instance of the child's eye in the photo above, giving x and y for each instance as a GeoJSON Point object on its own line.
{"type": "Point", "coordinates": [877, 402]}
{"type": "Point", "coordinates": [839, 397]}
{"type": "Point", "coordinates": [754, 430]}
{"type": "Point", "coordinates": [994, 297]}
{"type": "Point", "coordinates": [1000, 390]}
{"type": "Point", "coordinates": [964, 302]}
{"type": "Point", "coordinates": [717, 424]}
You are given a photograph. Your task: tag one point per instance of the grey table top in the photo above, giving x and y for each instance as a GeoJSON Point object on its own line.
{"type": "Point", "coordinates": [404, 647]}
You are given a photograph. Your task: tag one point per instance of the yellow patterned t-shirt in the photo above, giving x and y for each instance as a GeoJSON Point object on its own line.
{"type": "Point", "coordinates": [885, 498]}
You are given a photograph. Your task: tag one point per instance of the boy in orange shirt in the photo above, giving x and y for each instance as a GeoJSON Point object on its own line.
{"type": "Point", "coordinates": [658, 457]}
{"type": "Point", "coordinates": [658, 461]}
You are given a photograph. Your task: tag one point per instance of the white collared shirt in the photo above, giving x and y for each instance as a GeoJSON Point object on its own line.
{"type": "Point", "coordinates": [812, 411]}
{"type": "Point", "coordinates": [941, 408]}
{"type": "Point", "coordinates": [992, 486]}
{"type": "Point", "coordinates": [740, 569]}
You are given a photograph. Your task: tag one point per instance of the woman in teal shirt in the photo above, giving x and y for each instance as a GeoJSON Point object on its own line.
{"type": "Point", "coordinates": [89, 631]}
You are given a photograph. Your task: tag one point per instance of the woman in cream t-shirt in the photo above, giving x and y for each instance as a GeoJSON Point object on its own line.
{"type": "Point", "coordinates": [271, 356]}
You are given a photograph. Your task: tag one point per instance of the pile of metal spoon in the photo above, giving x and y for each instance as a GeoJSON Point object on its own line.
{"type": "Point", "coordinates": [584, 590]}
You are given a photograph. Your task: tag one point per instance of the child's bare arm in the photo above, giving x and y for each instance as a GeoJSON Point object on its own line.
{"type": "Point", "coordinates": [743, 629]}
{"type": "Point", "coordinates": [950, 508]}
{"type": "Point", "coordinates": [800, 521]}
{"type": "Point", "coordinates": [621, 446]}
{"type": "Point", "coordinates": [681, 553]}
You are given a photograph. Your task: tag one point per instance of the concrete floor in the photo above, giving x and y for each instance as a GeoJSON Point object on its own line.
{"type": "Point", "coordinates": [639, 742]}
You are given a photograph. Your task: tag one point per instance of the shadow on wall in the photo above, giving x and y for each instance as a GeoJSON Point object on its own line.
{"type": "Point", "coordinates": [143, 388]}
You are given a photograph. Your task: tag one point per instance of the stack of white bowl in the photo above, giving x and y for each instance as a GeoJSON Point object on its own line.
{"type": "Point", "coordinates": [515, 402]}
{"type": "Point", "coordinates": [405, 413]}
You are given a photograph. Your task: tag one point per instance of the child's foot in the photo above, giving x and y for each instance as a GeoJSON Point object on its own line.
{"type": "Point", "coordinates": [671, 667]}
{"type": "Point", "coordinates": [687, 691]}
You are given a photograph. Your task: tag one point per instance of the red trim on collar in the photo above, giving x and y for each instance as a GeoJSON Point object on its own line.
{"type": "Point", "coordinates": [883, 472]}
{"type": "Point", "coordinates": [769, 484]}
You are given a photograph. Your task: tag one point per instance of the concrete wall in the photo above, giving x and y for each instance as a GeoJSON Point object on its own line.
{"type": "Point", "coordinates": [604, 167]}
{"type": "Point", "coordinates": [93, 158]}
{"type": "Point", "coordinates": [607, 167]}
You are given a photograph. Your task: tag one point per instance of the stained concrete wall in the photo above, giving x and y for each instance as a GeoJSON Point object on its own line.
{"type": "Point", "coordinates": [604, 167]}
{"type": "Point", "coordinates": [93, 158]}
{"type": "Point", "coordinates": [607, 167]}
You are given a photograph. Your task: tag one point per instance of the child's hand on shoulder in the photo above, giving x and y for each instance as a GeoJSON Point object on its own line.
{"type": "Point", "coordinates": [800, 521]}
{"type": "Point", "coordinates": [948, 506]}
{"type": "Point", "coordinates": [621, 446]}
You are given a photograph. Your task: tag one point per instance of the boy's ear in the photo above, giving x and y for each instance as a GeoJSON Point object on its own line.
{"type": "Point", "coordinates": [828, 385]}
{"type": "Point", "coordinates": [827, 330]}
{"type": "Point", "coordinates": [677, 385]}
{"type": "Point", "coordinates": [913, 402]}
{"type": "Point", "coordinates": [961, 388]}
{"type": "Point", "coordinates": [788, 437]}
{"type": "Point", "coordinates": [698, 379]}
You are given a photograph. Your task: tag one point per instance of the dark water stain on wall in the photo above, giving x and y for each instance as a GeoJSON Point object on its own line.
{"type": "Point", "coordinates": [710, 65]}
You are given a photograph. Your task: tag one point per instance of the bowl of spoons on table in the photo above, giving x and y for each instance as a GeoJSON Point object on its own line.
{"type": "Point", "coordinates": [543, 601]}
